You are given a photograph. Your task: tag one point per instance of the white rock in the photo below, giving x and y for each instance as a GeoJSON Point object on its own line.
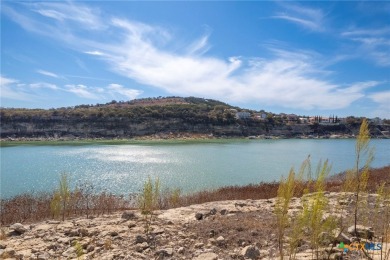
{"type": "Point", "coordinates": [19, 228]}
{"type": "Point", "coordinates": [206, 256]}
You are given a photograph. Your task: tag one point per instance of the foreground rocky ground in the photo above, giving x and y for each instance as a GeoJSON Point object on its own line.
{"type": "Point", "coordinates": [239, 229]}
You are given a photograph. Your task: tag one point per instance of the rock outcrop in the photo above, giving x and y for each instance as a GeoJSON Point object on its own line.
{"type": "Point", "coordinates": [227, 230]}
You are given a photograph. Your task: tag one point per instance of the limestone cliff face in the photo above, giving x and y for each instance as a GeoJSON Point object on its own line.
{"type": "Point", "coordinates": [110, 128]}
{"type": "Point", "coordinates": [127, 128]}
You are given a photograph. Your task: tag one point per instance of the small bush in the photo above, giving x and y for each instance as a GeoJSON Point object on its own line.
{"type": "Point", "coordinates": [78, 249]}
{"type": "Point", "coordinates": [149, 200]}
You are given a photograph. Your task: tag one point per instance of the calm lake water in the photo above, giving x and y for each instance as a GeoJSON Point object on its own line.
{"type": "Point", "coordinates": [122, 169]}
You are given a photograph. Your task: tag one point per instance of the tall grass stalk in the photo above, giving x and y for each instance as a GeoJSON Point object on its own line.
{"type": "Point", "coordinates": [285, 193]}
{"type": "Point", "coordinates": [364, 155]}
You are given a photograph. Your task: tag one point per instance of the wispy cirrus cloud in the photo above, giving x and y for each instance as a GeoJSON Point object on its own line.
{"type": "Point", "coordinates": [4, 81]}
{"type": "Point", "coordinates": [309, 18]}
{"type": "Point", "coordinates": [40, 85]}
{"type": "Point", "coordinates": [372, 43]}
{"type": "Point", "coordinates": [94, 53]}
{"type": "Point", "coordinates": [48, 73]}
{"type": "Point", "coordinates": [12, 89]}
{"type": "Point", "coordinates": [366, 32]}
{"type": "Point", "coordinates": [112, 91]}
{"type": "Point", "coordinates": [69, 12]}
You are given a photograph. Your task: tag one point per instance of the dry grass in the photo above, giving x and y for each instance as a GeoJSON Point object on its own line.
{"type": "Point", "coordinates": [27, 208]}
{"type": "Point", "coordinates": [251, 191]}
{"type": "Point", "coordinates": [269, 190]}
{"type": "Point", "coordinates": [239, 229]}
{"type": "Point", "coordinates": [377, 176]}
{"type": "Point", "coordinates": [3, 234]}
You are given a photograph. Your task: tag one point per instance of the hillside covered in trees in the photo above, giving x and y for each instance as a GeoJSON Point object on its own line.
{"type": "Point", "coordinates": [160, 117]}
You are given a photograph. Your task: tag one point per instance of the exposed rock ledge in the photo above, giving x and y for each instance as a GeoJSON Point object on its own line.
{"type": "Point", "coordinates": [240, 229]}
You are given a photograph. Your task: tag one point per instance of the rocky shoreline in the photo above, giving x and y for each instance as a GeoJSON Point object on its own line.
{"type": "Point", "coordinates": [236, 229]}
{"type": "Point", "coordinates": [174, 137]}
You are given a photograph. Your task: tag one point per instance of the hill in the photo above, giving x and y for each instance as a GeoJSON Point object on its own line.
{"type": "Point", "coordinates": [163, 118]}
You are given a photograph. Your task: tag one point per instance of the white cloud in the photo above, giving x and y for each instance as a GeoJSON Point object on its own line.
{"type": "Point", "coordinates": [360, 86]}
{"type": "Point", "coordinates": [293, 79]}
{"type": "Point", "coordinates": [43, 85]}
{"type": "Point", "coordinates": [11, 89]}
{"type": "Point", "coordinates": [16, 90]}
{"type": "Point", "coordinates": [115, 89]}
{"type": "Point", "coordinates": [112, 91]}
{"type": "Point", "coordinates": [48, 73]}
{"type": "Point", "coordinates": [81, 91]}
{"type": "Point", "coordinates": [94, 53]}
{"type": "Point", "coordinates": [6, 81]}
{"type": "Point", "coordinates": [383, 100]}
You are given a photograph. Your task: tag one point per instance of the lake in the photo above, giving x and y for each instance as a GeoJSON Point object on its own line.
{"type": "Point", "coordinates": [194, 166]}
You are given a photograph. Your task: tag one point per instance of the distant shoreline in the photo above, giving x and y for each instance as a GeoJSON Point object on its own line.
{"type": "Point", "coordinates": [155, 139]}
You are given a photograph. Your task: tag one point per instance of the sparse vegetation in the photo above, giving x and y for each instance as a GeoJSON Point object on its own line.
{"type": "Point", "coordinates": [160, 116]}
{"type": "Point", "coordinates": [149, 200]}
{"type": "Point", "coordinates": [78, 249]}
{"type": "Point", "coordinates": [31, 207]}
{"type": "Point", "coordinates": [3, 235]}
{"type": "Point", "coordinates": [314, 209]}
{"type": "Point", "coordinates": [308, 222]}
{"type": "Point", "coordinates": [107, 244]}
{"type": "Point", "coordinates": [382, 207]}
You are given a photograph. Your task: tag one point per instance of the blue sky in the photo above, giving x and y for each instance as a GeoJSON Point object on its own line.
{"type": "Point", "coordinates": [309, 58]}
